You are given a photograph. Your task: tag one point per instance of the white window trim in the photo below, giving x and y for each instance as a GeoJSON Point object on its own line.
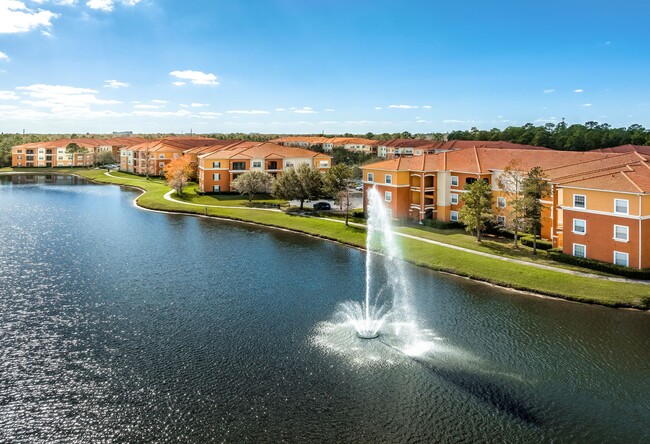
{"type": "Point", "coordinates": [501, 220]}
{"type": "Point", "coordinates": [454, 199]}
{"type": "Point", "coordinates": [453, 216]}
{"type": "Point", "coordinates": [627, 205]}
{"type": "Point", "coordinates": [218, 176]}
{"type": "Point", "coordinates": [580, 245]}
{"type": "Point", "coordinates": [627, 233]}
{"type": "Point", "coordinates": [257, 164]}
{"type": "Point", "coordinates": [581, 233]}
{"type": "Point", "coordinates": [574, 200]}
{"type": "Point", "coordinates": [371, 177]}
{"type": "Point", "coordinates": [388, 178]}
{"type": "Point", "coordinates": [218, 164]}
{"type": "Point", "coordinates": [501, 199]}
{"type": "Point", "coordinates": [452, 181]}
{"type": "Point", "coordinates": [627, 258]}
{"type": "Point", "coordinates": [388, 196]}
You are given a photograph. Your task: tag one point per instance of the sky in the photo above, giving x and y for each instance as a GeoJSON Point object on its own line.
{"type": "Point", "coordinates": [313, 66]}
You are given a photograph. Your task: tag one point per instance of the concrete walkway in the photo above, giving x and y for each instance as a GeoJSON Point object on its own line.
{"type": "Point", "coordinates": [421, 239]}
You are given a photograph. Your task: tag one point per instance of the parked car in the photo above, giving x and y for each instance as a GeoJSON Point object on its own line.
{"type": "Point", "coordinates": [359, 188]}
{"type": "Point", "coordinates": [322, 206]}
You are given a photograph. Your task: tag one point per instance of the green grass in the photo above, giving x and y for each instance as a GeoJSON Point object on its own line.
{"type": "Point", "coordinates": [502, 273]}
{"type": "Point", "coordinates": [190, 194]}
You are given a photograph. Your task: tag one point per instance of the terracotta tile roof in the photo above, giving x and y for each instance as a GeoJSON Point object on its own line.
{"type": "Point", "coordinates": [626, 149]}
{"type": "Point", "coordinates": [259, 150]}
{"type": "Point", "coordinates": [175, 144]}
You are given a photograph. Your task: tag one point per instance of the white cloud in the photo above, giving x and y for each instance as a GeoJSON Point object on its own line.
{"type": "Point", "coordinates": [15, 17]}
{"type": "Point", "coordinates": [209, 115]}
{"type": "Point", "coordinates": [62, 99]}
{"type": "Point", "coordinates": [242, 111]}
{"type": "Point", "coordinates": [101, 5]}
{"type": "Point", "coordinates": [161, 102]}
{"type": "Point", "coordinates": [179, 113]}
{"type": "Point", "coordinates": [280, 109]}
{"type": "Point", "coordinates": [403, 106]}
{"type": "Point", "coordinates": [4, 56]}
{"type": "Point", "coordinates": [427, 107]}
{"type": "Point", "coordinates": [196, 77]}
{"type": "Point", "coordinates": [305, 110]}
{"type": "Point", "coordinates": [421, 121]}
{"type": "Point", "coordinates": [578, 90]}
{"type": "Point", "coordinates": [457, 121]}
{"type": "Point", "coordinates": [549, 91]}
{"type": "Point", "coordinates": [8, 95]}
{"type": "Point", "coordinates": [114, 84]}
{"type": "Point", "coordinates": [178, 83]}
{"type": "Point", "coordinates": [199, 105]}
{"type": "Point", "coordinates": [378, 107]}
{"type": "Point", "coordinates": [586, 105]}
{"type": "Point", "coordinates": [329, 110]}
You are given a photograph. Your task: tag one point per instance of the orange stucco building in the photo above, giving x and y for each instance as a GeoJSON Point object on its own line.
{"type": "Point", "coordinates": [609, 220]}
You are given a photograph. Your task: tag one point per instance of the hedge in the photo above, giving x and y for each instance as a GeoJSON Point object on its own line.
{"type": "Point", "coordinates": [633, 273]}
{"type": "Point", "coordinates": [433, 223]}
{"type": "Point", "coordinates": [541, 244]}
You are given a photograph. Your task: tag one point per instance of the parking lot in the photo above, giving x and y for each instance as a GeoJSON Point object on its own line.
{"type": "Point", "coordinates": [356, 200]}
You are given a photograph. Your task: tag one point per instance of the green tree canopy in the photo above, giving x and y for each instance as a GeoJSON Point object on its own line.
{"type": "Point", "coordinates": [300, 183]}
{"type": "Point", "coordinates": [477, 209]}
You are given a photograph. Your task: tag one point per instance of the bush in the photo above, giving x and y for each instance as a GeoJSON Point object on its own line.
{"type": "Point", "coordinates": [633, 273]}
{"type": "Point", "coordinates": [541, 244]}
{"type": "Point", "coordinates": [433, 223]}
{"type": "Point", "coordinates": [359, 214]}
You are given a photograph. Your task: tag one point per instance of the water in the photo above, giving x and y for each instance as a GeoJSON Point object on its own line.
{"type": "Point", "coordinates": [121, 325]}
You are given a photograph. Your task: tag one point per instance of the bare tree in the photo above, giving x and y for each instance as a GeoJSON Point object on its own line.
{"type": "Point", "coordinates": [251, 183]}
{"type": "Point", "coordinates": [511, 183]}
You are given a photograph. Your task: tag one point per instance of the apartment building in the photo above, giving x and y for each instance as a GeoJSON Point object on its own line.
{"type": "Point", "coordinates": [354, 144]}
{"type": "Point", "coordinates": [219, 167]}
{"type": "Point", "coordinates": [54, 154]}
{"type": "Point", "coordinates": [152, 156]}
{"type": "Point", "coordinates": [599, 206]}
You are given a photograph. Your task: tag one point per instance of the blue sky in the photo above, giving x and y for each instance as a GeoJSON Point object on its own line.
{"type": "Point", "coordinates": [311, 66]}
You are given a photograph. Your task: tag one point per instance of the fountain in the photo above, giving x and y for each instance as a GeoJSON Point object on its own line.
{"type": "Point", "coordinates": [385, 299]}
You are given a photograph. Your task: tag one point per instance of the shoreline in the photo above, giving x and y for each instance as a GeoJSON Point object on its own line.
{"type": "Point", "coordinates": [514, 288]}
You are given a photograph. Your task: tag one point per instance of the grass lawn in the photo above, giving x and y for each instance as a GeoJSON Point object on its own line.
{"type": "Point", "coordinates": [190, 194]}
{"type": "Point", "coordinates": [507, 274]}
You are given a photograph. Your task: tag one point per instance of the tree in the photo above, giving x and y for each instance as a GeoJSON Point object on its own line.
{"type": "Point", "coordinates": [73, 149]}
{"type": "Point", "coordinates": [301, 183]}
{"type": "Point", "coordinates": [145, 156]}
{"type": "Point", "coordinates": [104, 158]}
{"type": "Point", "coordinates": [178, 172]}
{"type": "Point", "coordinates": [534, 187]}
{"type": "Point", "coordinates": [338, 182]}
{"type": "Point", "coordinates": [511, 182]}
{"type": "Point", "coordinates": [477, 209]}
{"type": "Point", "coordinates": [251, 183]}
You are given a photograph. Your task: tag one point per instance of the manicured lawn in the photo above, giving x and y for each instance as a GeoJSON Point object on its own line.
{"type": "Point", "coordinates": [492, 245]}
{"type": "Point", "coordinates": [190, 194]}
{"type": "Point", "coordinates": [507, 274]}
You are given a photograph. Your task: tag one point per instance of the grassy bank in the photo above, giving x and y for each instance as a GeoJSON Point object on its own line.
{"type": "Point", "coordinates": [513, 275]}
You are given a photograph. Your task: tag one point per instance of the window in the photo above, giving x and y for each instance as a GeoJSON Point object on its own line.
{"type": "Point", "coordinates": [454, 181]}
{"type": "Point", "coordinates": [324, 164]}
{"type": "Point", "coordinates": [579, 250]}
{"type": "Point", "coordinates": [389, 178]}
{"type": "Point", "coordinates": [239, 166]}
{"type": "Point", "coordinates": [216, 176]}
{"type": "Point", "coordinates": [388, 196]}
{"type": "Point", "coordinates": [621, 206]}
{"type": "Point", "coordinates": [501, 202]}
{"type": "Point", "coordinates": [371, 177]}
{"type": "Point", "coordinates": [621, 258]}
{"type": "Point", "coordinates": [621, 233]}
{"type": "Point", "coordinates": [454, 199]}
{"type": "Point", "coordinates": [257, 164]}
{"type": "Point", "coordinates": [216, 164]}
{"type": "Point", "coordinates": [579, 226]}
{"type": "Point", "coordinates": [288, 164]}
{"type": "Point", "coordinates": [20, 157]}
{"type": "Point", "coordinates": [417, 153]}
{"type": "Point", "coordinates": [161, 164]}
{"type": "Point", "coordinates": [579, 201]}
{"type": "Point", "coordinates": [216, 188]}
{"type": "Point", "coordinates": [162, 156]}
{"type": "Point", "coordinates": [19, 151]}
{"type": "Point", "coordinates": [501, 221]}
{"type": "Point", "coordinates": [454, 216]}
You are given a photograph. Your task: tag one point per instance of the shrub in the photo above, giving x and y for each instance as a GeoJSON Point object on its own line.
{"type": "Point", "coordinates": [433, 223]}
{"type": "Point", "coordinates": [541, 244]}
{"type": "Point", "coordinates": [633, 273]}
{"type": "Point", "coordinates": [359, 214]}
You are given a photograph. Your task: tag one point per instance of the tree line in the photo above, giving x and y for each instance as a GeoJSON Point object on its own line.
{"type": "Point", "coordinates": [560, 136]}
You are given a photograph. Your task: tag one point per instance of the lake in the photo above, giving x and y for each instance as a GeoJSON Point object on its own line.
{"type": "Point", "coordinates": [124, 325]}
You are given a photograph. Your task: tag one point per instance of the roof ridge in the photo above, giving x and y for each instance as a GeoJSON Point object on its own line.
{"type": "Point", "coordinates": [631, 181]}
